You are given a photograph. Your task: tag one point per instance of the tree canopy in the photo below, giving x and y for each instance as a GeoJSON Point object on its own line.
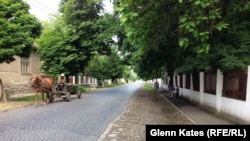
{"type": "Point", "coordinates": [68, 44]}
{"type": "Point", "coordinates": [18, 30]}
{"type": "Point", "coordinates": [193, 35]}
{"type": "Point", "coordinates": [106, 67]}
{"type": "Point", "coordinates": [152, 36]}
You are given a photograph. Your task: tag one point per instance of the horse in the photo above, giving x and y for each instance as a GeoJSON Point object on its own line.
{"type": "Point", "coordinates": [42, 85]}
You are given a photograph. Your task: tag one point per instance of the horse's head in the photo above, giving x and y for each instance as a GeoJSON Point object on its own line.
{"type": "Point", "coordinates": [34, 80]}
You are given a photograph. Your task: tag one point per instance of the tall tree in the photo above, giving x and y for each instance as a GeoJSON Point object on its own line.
{"type": "Point", "coordinates": [151, 28]}
{"type": "Point", "coordinates": [197, 22]}
{"type": "Point", "coordinates": [53, 47]}
{"type": "Point", "coordinates": [17, 32]}
{"type": "Point", "coordinates": [76, 38]}
{"type": "Point", "coordinates": [229, 47]}
{"type": "Point", "coordinates": [210, 32]}
{"type": "Point", "coordinates": [106, 67]}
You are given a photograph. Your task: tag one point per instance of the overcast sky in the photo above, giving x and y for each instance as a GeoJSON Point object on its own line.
{"type": "Point", "coordinates": [44, 9]}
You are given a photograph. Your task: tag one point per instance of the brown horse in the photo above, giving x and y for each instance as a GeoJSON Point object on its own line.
{"type": "Point", "coordinates": [42, 85]}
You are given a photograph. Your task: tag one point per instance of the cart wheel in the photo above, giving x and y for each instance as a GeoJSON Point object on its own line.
{"type": "Point", "coordinates": [51, 98]}
{"type": "Point", "coordinates": [68, 98]}
{"type": "Point", "coordinates": [79, 94]}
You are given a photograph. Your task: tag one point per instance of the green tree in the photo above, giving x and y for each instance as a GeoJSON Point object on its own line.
{"type": "Point", "coordinates": [71, 42]}
{"type": "Point", "coordinates": [234, 43]}
{"type": "Point", "coordinates": [129, 74]}
{"type": "Point", "coordinates": [230, 47]}
{"type": "Point", "coordinates": [18, 30]}
{"type": "Point", "coordinates": [211, 34]}
{"type": "Point", "coordinates": [151, 29]}
{"type": "Point", "coordinates": [106, 67]}
{"type": "Point", "coordinates": [197, 23]}
{"type": "Point", "coordinates": [53, 47]}
{"type": "Point", "coordinates": [97, 68]}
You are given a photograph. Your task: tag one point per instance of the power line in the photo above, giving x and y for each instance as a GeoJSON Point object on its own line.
{"type": "Point", "coordinates": [53, 11]}
{"type": "Point", "coordinates": [41, 8]}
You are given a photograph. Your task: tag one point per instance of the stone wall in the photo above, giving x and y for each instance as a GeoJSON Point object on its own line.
{"type": "Point", "coordinates": [14, 89]}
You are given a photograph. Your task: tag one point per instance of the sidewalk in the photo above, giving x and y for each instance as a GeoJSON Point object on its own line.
{"type": "Point", "coordinates": [193, 112]}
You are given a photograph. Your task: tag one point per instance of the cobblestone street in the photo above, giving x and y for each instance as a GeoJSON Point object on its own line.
{"type": "Point", "coordinates": [144, 109]}
{"type": "Point", "coordinates": [82, 119]}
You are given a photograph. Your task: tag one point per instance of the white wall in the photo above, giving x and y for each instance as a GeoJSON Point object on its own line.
{"type": "Point", "coordinates": [237, 109]}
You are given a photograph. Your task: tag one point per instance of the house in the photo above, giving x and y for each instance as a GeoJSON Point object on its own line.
{"type": "Point", "coordinates": [15, 76]}
{"type": "Point", "coordinates": [225, 94]}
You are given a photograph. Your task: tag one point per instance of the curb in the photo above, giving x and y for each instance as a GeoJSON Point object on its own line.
{"type": "Point", "coordinates": [177, 108]}
{"type": "Point", "coordinates": [108, 129]}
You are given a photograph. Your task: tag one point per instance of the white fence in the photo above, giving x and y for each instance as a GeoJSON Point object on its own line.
{"type": "Point", "coordinates": [237, 110]}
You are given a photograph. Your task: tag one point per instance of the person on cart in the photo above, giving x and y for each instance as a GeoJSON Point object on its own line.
{"type": "Point", "coordinates": [61, 82]}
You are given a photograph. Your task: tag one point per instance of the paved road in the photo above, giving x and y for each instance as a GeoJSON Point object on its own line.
{"type": "Point", "coordinates": [82, 119]}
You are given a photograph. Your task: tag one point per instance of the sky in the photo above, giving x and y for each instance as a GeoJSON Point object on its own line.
{"type": "Point", "coordinates": [45, 9]}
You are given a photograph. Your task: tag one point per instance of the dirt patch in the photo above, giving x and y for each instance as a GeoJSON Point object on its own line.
{"type": "Point", "coordinates": [10, 105]}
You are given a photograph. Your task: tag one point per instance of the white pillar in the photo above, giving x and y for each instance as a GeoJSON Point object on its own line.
{"type": "Point", "coordinates": [248, 96]}
{"type": "Point", "coordinates": [162, 83]}
{"type": "Point", "coordinates": [74, 79]}
{"type": "Point", "coordinates": [88, 80]}
{"type": "Point", "coordinates": [159, 82]}
{"type": "Point", "coordinates": [79, 79]}
{"type": "Point", "coordinates": [219, 88]}
{"type": "Point", "coordinates": [84, 79]}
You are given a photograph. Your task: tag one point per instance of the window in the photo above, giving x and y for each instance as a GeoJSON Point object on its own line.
{"type": "Point", "coordinates": [24, 64]}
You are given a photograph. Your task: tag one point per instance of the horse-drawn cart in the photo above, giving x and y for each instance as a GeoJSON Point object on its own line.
{"type": "Point", "coordinates": [65, 91]}
{"type": "Point", "coordinates": [45, 85]}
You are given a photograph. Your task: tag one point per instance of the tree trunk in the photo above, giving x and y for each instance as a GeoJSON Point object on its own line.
{"type": "Point", "coordinates": [2, 94]}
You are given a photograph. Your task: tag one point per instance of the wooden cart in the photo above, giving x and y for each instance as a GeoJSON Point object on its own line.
{"type": "Point", "coordinates": [65, 91]}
